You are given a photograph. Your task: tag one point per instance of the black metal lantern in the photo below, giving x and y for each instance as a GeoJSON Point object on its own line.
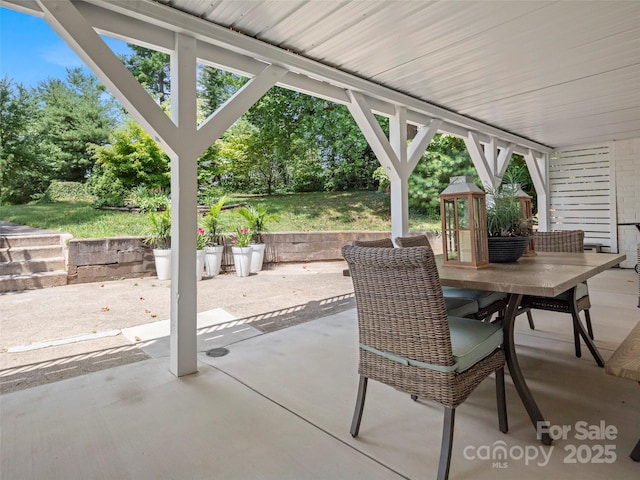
{"type": "Point", "coordinates": [464, 224]}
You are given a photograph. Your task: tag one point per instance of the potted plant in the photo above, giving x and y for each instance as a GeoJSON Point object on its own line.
{"type": "Point", "coordinates": [213, 246]}
{"type": "Point", "coordinates": [258, 218]}
{"type": "Point", "coordinates": [159, 240]}
{"type": "Point", "coordinates": [508, 233]}
{"type": "Point", "coordinates": [242, 251]}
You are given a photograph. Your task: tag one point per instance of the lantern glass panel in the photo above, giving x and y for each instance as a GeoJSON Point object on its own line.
{"type": "Point", "coordinates": [452, 253]}
{"type": "Point", "coordinates": [463, 213]}
{"type": "Point", "coordinates": [449, 214]}
{"type": "Point", "coordinates": [466, 246]}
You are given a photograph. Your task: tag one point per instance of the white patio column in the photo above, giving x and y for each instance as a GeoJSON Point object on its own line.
{"type": "Point", "coordinates": [397, 158]}
{"type": "Point", "coordinates": [184, 201]}
{"type": "Point", "coordinates": [181, 139]}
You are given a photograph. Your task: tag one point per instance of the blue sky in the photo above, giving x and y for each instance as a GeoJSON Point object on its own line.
{"type": "Point", "coordinates": [30, 51]}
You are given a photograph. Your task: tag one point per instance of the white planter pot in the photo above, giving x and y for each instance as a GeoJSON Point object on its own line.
{"type": "Point", "coordinates": [200, 261]}
{"type": "Point", "coordinates": [163, 263]}
{"type": "Point", "coordinates": [242, 260]}
{"type": "Point", "coordinates": [213, 259]}
{"type": "Point", "coordinates": [257, 257]}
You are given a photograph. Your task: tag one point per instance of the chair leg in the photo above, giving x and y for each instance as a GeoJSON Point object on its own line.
{"type": "Point", "coordinates": [580, 332]}
{"type": "Point", "coordinates": [635, 453]}
{"type": "Point", "coordinates": [587, 318]}
{"type": "Point", "coordinates": [357, 413]}
{"type": "Point", "coordinates": [576, 334]}
{"type": "Point", "coordinates": [447, 443]}
{"type": "Point", "coordinates": [502, 401]}
{"type": "Point", "coordinates": [414, 398]}
{"type": "Point", "coordinates": [530, 319]}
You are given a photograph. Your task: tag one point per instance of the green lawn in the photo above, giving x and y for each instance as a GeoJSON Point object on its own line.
{"type": "Point", "coordinates": [307, 212]}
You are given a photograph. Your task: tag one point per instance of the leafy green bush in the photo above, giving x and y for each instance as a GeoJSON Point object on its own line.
{"type": "Point", "coordinates": [66, 192]}
{"type": "Point", "coordinates": [148, 200]}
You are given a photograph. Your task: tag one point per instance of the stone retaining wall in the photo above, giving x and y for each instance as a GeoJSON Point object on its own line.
{"type": "Point", "coordinates": [95, 260]}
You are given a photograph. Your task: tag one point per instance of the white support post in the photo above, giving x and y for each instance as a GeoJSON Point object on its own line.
{"type": "Point", "coordinates": [538, 169]}
{"type": "Point", "coordinates": [400, 185]}
{"type": "Point", "coordinates": [184, 194]}
{"type": "Point", "coordinates": [398, 159]}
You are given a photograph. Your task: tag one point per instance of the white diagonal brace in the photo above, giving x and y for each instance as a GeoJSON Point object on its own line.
{"type": "Point", "coordinates": [421, 142]}
{"type": "Point", "coordinates": [67, 21]}
{"type": "Point", "coordinates": [220, 120]}
{"type": "Point", "coordinates": [371, 130]}
{"type": "Point", "coordinates": [538, 168]}
{"type": "Point", "coordinates": [502, 162]}
{"type": "Point", "coordinates": [479, 160]}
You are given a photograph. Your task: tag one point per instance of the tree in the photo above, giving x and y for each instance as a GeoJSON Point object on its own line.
{"type": "Point", "coordinates": [131, 159]}
{"type": "Point", "coordinates": [152, 69]}
{"type": "Point", "coordinates": [22, 172]}
{"type": "Point", "coordinates": [446, 157]}
{"type": "Point", "coordinates": [216, 87]}
{"type": "Point", "coordinates": [75, 115]}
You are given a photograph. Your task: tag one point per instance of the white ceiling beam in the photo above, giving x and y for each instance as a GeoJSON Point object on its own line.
{"type": "Point", "coordinates": [171, 19]}
{"type": "Point", "coordinates": [250, 56]}
{"type": "Point", "coordinates": [67, 21]}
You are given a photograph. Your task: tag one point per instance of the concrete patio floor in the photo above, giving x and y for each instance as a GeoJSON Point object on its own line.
{"type": "Point", "coordinates": [279, 406]}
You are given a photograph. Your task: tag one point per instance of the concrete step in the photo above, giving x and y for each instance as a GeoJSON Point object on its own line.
{"type": "Point", "coordinates": [15, 241]}
{"type": "Point", "coordinates": [32, 266]}
{"type": "Point", "coordinates": [21, 254]}
{"type": "Point", "coordinates": [13, 283]}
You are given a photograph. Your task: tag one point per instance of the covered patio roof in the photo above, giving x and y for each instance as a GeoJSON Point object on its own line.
{"type": "Point", "coordinates": [557, 73]}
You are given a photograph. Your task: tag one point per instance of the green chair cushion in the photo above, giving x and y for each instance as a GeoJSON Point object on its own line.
{"type": "Point", "coordinates": [471, 340]}
{"type": "Point", "coordinates": [581, 291]}
{"type": "Point", "coordinates": [483, 297]}
{"type": "Point", "coordinates": [460, 307]}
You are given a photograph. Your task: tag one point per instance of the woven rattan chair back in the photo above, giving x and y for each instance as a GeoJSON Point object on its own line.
{"type": "Point", "coordinates": [382, 243]}
{"type": "Point", "coordinates": [423, 241]}
{"type": "Point", "coordinates": [414, 241]}
{"type": "Point", "coordinates": [398, 297]}
{"type": "Point", "coordinates": [571, 241]}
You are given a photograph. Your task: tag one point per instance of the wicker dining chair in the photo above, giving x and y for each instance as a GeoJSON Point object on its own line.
{"type": "Point", "coordinates": [570, 241]}
{"type": "Point", "coordinates": [458, 307]}
{"type": "Point", "coordinates": [407, 341]}
{"type": "Point", "coordinates": [488, 302]}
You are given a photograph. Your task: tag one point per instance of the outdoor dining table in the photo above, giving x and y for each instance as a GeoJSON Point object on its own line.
{"type": "Point", "coordinates": [545, 275]}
